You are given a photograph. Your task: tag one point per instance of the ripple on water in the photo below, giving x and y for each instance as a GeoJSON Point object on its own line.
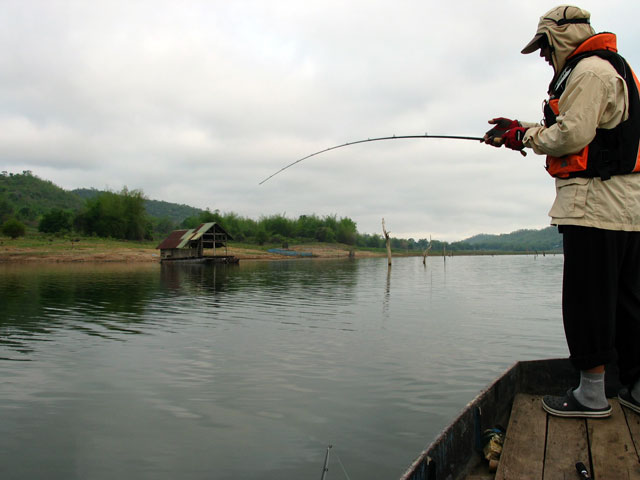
{"type": "Point", "coordinates": [202, 368]}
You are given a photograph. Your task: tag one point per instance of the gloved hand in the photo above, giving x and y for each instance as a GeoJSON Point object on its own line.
{"type": "Point", "coordinates": [502, 126]}
{"type": "Point", "coordinates": [513, 138]}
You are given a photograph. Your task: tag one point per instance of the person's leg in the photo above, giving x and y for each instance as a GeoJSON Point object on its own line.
{"type": "Point", "coordinates": [628, 323]}
{"type": "Point", "coordinates": [629, 397]}
{"type": "Point", "coordinates": [588, 308]}
{"type": "Point", "coordinates": [627, 337]}
{"type": "Point", "coordinates": [589, 292]}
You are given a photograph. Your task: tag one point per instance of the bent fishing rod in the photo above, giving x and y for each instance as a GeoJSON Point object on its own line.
{"type": "Point", "coordinates": [394, 137]}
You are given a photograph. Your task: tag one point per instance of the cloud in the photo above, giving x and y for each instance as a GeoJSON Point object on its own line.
{"type": "Point", "coordinates": [197, 102]}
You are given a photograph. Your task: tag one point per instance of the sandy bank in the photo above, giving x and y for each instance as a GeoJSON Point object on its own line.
{"type": "Point", "coordinates": [96, 253]}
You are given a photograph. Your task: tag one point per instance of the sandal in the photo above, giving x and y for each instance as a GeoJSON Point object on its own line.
{"type": "Point", "coordinates": [625, 398]}
{"type": "Point", "coordinates": [568, 406]}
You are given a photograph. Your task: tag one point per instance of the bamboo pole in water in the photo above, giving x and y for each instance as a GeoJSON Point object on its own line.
{"type": "Point", "coordinates": [426, 252]}
{"type": "Point", "coordinates": [388, 241]}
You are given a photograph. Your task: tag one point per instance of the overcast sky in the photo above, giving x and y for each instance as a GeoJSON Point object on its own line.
{"type": "Point", "coordinates": [196, 102]}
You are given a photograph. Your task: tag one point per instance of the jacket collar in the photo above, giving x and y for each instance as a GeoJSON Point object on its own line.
{"type": "Point", "coordinates": [600, 41]}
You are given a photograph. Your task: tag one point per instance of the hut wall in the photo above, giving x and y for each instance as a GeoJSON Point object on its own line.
{"type": "Point", "coordinates": [176, 253]}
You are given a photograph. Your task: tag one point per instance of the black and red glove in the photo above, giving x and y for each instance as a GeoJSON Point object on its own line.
{"type": "Point", "coordinates": [513, 138]}
{"type": "Point", "coordinates": [502, 126]}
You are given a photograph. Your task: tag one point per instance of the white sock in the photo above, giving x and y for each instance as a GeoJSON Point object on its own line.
{"type": "Point", "coordinates": [590, 393]}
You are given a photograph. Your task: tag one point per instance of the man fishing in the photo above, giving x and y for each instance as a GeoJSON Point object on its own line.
{"type": "Point", "coordinates": [591, 137]}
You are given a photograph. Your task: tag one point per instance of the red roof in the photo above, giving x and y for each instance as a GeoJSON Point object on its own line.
{"type": "Point", "coordinates": [181, 238]}
{"type": "Point", "coordinates": [173, 240]}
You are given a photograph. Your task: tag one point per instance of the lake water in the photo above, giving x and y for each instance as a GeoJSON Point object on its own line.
{"type": "Point", "coordinates": [250, 371]}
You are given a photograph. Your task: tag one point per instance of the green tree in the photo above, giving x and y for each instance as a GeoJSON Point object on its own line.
{"type": "Point", "coordinates": [13, 228]}
{"type": "Point", "coordinates": [118, 215]}
{"type": "Point", "coordinates": [237, 227]}
{"type": "Point", "coordinates": [26, 213]}
{"type": "Point", "coordinates": [191, 222]}
{"type": "Point", "coordinates": [137, 223]}
{"type": "Point", "coordinates": [278, 225]}
{"type": "Point", "coordinates": [163, 225]}
{"type": "Point", "coordinates": [369, 240]}
{"type": "Point", "coordinates": [261, 236]}
{"type": "Point", "coordinates": [6, 209]}
{"type": "Point", "coordinates": [325, 234]}
{"type": "Point", "coordinates": [208, 216]}
{"type": "Point", "coordinates": [346, 231]}
{"type": "Point", "coordinates": [56, 220]}
{"type": "Point", "coordinates": [330, 221]}
{"type": "Point", "coordinates": [307, 226]}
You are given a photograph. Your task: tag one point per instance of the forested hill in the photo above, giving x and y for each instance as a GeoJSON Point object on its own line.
{"type": "Point", "coordinates": [156, 208]}
{"type": "Point", "coordinates": [28, 199]}
{"type": "Point", "coordinates": [546, 239]}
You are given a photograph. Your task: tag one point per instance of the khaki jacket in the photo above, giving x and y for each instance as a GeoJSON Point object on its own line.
{"type": "Point", "coordinates": [595, 97]}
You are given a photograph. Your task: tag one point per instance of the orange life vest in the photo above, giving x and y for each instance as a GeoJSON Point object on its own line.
{"type": "Point", "coordinates": [613, 151]}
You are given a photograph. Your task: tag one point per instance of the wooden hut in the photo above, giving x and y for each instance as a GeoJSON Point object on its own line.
{"type": "Point", "coordinates": [190, 245]}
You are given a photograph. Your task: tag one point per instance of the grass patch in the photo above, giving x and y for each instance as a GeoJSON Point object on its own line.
{"type": "Point", "coordinates": [55, 243]}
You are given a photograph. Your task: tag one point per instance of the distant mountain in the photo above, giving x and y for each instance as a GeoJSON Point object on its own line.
{"type": "Point", "coordinates": [521, 240]}
{"type": "Point", "coordinates": [174, 211]}
{"type": "Point", "coordinates": [86, 193]}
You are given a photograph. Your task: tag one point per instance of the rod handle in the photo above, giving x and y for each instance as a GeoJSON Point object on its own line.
{"type": "Point", "coordinates": [582, 471]}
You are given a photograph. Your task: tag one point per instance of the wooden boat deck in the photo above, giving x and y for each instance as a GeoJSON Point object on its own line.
{"type": "Point", "coordinates": [537, 446]}
{"type": "Point", "coordinates": [541, 446]}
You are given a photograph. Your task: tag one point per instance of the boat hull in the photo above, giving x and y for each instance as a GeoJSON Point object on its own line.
{"type": "Point", "coordinates": [457, 449]}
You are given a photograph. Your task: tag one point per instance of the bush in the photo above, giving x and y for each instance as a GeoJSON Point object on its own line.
{"type": "Point", "coordinates": [261, 236]}
{"type": "Point", "coordinates": [6, 209]}
{"type": "Point", "coordinates": [57, 220]}
{"type": "Point", "coordinates": [13, 228]}
{"type": "Point", "coordinates": [277, 239]}
{"type": "Point", "coordinates": [325, 234]}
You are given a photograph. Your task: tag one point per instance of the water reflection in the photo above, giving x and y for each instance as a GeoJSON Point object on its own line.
{"type": "Point", "coordinates": [387, 294]}
{"type": "Point", "coordinates": [99, 300]}
{"type": "Point", "coordinates": [195, 368]}
{"type": "Point", "coordinates": [196, 279]}
{"type": "Point", "coordinates": [115, 300]}
{"type": "Point", "coordinates": [264, 276]}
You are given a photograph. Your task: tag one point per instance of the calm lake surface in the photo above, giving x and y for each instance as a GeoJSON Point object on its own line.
{"type": "Point", "coordinates": [250, 371]}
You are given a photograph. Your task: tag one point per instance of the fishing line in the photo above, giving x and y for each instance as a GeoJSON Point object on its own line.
{"type": "Point", "coordinates": [341, 465]}
{"type": "Point", "coordinates": [394, 137]}
{"type": "Point", "coordinates": [325, 468]}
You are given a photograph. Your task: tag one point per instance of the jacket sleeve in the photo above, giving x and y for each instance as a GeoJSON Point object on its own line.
{"type": "Point", "coordinates": [590, 101]}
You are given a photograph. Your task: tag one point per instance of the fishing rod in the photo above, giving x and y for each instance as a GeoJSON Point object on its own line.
{"type": "Point", "coordinates": [325, 468]}
{"type": "Point", "coordinates": [394, 137]}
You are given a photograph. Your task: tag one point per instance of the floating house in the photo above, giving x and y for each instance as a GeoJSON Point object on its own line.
{"type": "Point", "coordinates": [190, 245]}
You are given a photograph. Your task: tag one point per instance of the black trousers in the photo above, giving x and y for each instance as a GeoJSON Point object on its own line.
{"type": "Point", "coordinates": [601, 298]}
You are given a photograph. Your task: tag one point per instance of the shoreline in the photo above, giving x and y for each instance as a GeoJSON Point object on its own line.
{"type": "Point", "coordinates": [98, 253]}
{"type": "Point", "coordinates": [96, 250]}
